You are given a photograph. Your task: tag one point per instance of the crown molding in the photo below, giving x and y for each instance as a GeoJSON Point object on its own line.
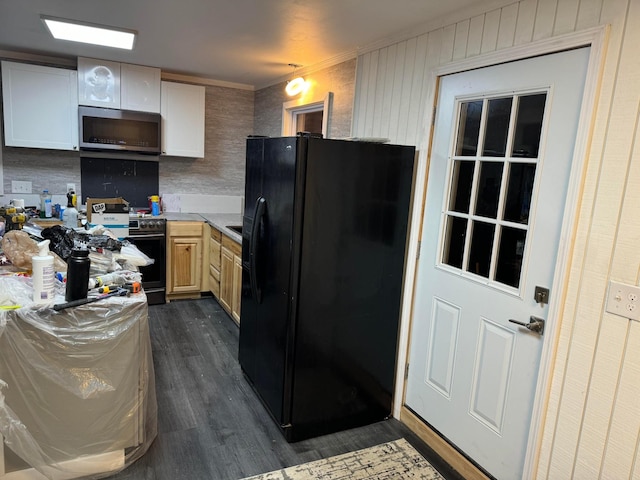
{"type": "Point", "coordinates": [39, 59]}
{"type": "Point", "coordinates": [178, 77]}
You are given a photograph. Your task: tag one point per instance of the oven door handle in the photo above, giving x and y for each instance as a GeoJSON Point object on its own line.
{"type": "Point", "coordinates": [261, 206]}
{"type": "Point", "coordinates": [151, 235]}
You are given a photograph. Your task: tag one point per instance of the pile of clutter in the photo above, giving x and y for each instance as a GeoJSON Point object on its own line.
{"type": "Point", "coordinates": [61, 262]}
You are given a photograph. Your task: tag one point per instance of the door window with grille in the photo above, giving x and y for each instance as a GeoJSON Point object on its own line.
{"type": "Point", "coordinates": [495, 155]}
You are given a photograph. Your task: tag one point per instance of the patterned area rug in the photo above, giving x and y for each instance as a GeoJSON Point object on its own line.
{"type": "Point", "coordinates": [393, 460]}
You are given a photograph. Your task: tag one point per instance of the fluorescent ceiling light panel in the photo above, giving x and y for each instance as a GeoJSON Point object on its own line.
{"type": "Point", "coordinates": [62, 29]}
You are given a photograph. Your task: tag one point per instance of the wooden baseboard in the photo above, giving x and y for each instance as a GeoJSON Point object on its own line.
{"type": "Point", "coordinates": [448, 453]}
{"type": "Point", "coordinates": [183, 296]}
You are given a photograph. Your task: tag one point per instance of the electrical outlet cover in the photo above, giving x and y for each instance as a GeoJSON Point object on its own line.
{"type": "Point", "coordinates": [20, 187]}
{"type": "Point", "coordinates": [624, 300]}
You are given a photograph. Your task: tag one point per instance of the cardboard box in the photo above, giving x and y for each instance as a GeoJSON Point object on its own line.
{"type": "Point", "coordinates": [113, 213]}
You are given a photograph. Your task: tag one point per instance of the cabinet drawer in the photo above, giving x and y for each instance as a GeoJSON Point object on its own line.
{"type": "Point", "coordinates": [232, 245]}
{"type": "Point", "coordinates": [214, 286]}
{"type": "Point", "coordinates": [213, 273]}
{"type": "Point", "coordinates": [214, 253]}
{"type": "Point", "coordinates": [216, 234]}
{"type": "Point", "coordinates": [184, 229]}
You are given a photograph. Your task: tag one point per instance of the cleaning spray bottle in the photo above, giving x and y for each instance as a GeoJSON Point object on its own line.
{"type": "Point", "coordinates": [43, 274]}
{"type": "Point", "coordinates": [70, 214]}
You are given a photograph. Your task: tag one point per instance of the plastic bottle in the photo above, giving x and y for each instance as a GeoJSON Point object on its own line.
{"type": "Point", "coordinates": [108, 279]}
{"type": "Point", "coordinates": [155, 205]}
{"type": "Point", "coordinates": [77, 275]}
{"type": "Point", "coordinates": [46, 207]}
{"type": "Point", "coordinates": [43, 274]}
{"type": "Point", "coordinates": [70, 214]}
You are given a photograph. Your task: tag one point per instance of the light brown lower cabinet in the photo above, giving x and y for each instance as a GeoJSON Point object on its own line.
{"type": "Point", "coordinates": [230, 277]}
{"type": "Point", "coordinates": [184, 259]}
{"type": "Point", "coordinates": [215, 245]}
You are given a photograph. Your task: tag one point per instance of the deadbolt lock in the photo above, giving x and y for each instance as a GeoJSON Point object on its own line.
{"type": "Point", "coordinates": [541, 295]}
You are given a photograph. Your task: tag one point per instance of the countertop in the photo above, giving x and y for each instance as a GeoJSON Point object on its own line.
{"type": "Point", "coordinates": [222, 220]}
{"type": "Point", "coordinates": [217, 220]}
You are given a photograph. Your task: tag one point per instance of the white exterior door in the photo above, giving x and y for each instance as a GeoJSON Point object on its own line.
{"type": "Point", "coordinates": [501, 158]}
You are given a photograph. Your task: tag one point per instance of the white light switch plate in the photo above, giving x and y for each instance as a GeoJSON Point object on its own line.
{"type": "Point", "coordinates": [624, 300]}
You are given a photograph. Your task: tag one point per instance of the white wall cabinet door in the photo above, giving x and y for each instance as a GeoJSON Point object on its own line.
{"type": "Point", "coordinates": [118, 85]}
{"type": "Point", "coordinates": [139, 88]}
{"type": "Point", "coordinates": [182, 110]}
{"type": "Point", "coordinates": [40, 106]}
{"type": "Point", "coordinates": [98, 83]}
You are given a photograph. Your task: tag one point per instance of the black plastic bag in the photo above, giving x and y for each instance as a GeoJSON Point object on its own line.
{"type": "Point", "coordinates": [64, 240]}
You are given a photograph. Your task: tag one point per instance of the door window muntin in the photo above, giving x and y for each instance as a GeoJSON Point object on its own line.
{"type": "Point", "coordinates": [455, 212]}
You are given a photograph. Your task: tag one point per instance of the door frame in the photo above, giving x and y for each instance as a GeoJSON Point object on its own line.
{"type": "Point", "coordinates": [596, 39]}
{"type": "Point", "coordinates": [294, 107]}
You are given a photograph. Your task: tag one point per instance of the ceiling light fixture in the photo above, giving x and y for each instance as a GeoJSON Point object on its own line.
{"type": "Point", "coordinates": [75, 31]}
{"type": "Point", "coordinates": [297, 85]}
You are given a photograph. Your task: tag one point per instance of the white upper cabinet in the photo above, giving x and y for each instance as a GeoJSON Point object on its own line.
{"type": "Point", "coordinates": [140, 88]}
{"type": "Point", "coordinates": [40, 106]}
{"type": "Point", "coordinates": [98, 83]}
{"type": "Point", "coordinates": [118, 85]}
{"type": "Point", "coordinates": [182, 110]}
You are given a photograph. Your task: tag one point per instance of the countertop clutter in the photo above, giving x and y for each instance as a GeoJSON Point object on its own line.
{"type": "Point", "coordinates": [77, 390]}
{"type": "Point", "coordinates": [94, 411]}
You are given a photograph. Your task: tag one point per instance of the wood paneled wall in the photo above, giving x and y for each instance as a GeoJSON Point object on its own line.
{"type": "Point", "coordinates": [392, 82]}
{"type": "Point", "coordinates": [591, 428]}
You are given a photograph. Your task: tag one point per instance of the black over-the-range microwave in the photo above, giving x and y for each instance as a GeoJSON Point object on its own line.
{"type": "Point", "coordinates": [119, 130]}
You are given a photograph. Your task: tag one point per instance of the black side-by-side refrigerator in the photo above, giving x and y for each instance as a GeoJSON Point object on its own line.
{"type": "Point", "coordinates": [323, 250]}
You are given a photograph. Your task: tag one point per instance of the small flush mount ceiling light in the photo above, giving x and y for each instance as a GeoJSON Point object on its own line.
{"type": "Point", "coordinates": [297, 85]}
{"type": "Point", "coordinates": [75, 31]}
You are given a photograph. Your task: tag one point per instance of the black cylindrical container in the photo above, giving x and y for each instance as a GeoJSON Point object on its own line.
{"type": "Point", "coordinates": [77, 275]}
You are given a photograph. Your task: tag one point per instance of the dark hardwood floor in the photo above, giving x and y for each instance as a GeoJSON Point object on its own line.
{"type": "Point", "coordinates": [211, 424]}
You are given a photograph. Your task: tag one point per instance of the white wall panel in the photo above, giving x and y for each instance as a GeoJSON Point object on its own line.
{"type": "Point", "coordinates": [566, 14]}
{"type": "Point", "coordinates": [417, 103]}
{"type": "Point", "coordinates": [592, 424]}
{"type": "Point", "coordinates": [370, 103]}
{"type": "Point", "coordinates": [407, 76]}
{"type": "Point", "coordinates": [507, 26]}
{"type": "Point", "coordinates": [387, 64]}
{"type": "Point", "coordinates": [588, 13]}
{"type": "Point", "coordinates": [545, 19]}
{"type": "Point", "coordinates": [448, 39]}
{"type": "Point", "coordinates": [592, 391]}
{"type": "Point", "coordinates": [526, 21]}
{"type": "Point", "coordinates": [460, 41]}
{"type": "Point", "coordinates": [474, 42]}
{"type": "Point", "coordinates": [490, 31]}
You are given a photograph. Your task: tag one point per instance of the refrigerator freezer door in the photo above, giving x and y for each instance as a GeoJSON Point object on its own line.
{"type": "Point", "coordinates": [271, 169]}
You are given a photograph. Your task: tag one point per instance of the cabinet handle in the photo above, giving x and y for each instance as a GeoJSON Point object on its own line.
{"type": "Point", "coordinates": [261, 206]}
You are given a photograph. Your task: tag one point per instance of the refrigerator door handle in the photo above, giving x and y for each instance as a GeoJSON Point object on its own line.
{"type": "Point", "coordinates": [261, 206]}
